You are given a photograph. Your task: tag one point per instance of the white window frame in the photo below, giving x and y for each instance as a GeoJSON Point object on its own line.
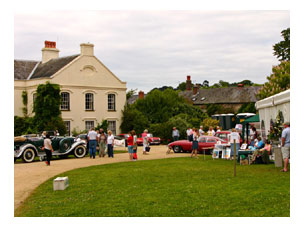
{"type": "Point", "coordinates": [111, 102]}
{"type": "Point", "coordinates": [89, 102]}
{"type": "Point", "coordinates": [65, 102]}
{"type": "Point", "coordinates": [112, 126]}
{"type": "Point", "coordinates": [89, 124]}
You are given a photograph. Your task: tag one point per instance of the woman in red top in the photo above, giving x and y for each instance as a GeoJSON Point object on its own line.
{"type": "Point", "coordinates": [130, 145]}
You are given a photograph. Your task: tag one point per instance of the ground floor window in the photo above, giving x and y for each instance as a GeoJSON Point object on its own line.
{"type": "Point", "coordinates": [112, 126]}
{"type": "Point", "coordinates": [68, 127]}
{"type": "Point", "coordinates": [89, 125]}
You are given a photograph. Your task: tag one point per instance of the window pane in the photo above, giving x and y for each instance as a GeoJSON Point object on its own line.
{"type": "Point", "coordinates": [111, 102]}
{"type": "Point", "coordinates": [89, 125]}
{"type": "Point", "coordinates": [112, 127]}
{"type": "Point", "coordinates": [65, 101]}
{"type": "Point", "coordinates": [68, 127]}
{"type": "Point", "coordinates": [89, 101]}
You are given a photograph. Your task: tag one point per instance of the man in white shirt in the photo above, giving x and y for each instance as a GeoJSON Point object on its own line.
{"type": "Point", "coordinates": [175, 134]}
{"type": "Point", "coordinates": [189, 134]}
{"type": "Point", "coordinates": [92, 138]}
{"type": "Point", "coordinates": [218, 129]}
{"type": "Point", "coordinates": [201, 131]}
{"type": "Point", "coordinates": [110, 142]}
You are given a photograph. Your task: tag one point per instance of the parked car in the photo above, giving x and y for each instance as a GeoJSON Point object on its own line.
{"type": "Point", "coordinates": [204, 142]}
{"type": "Point", "coordinates": [225, 136]}
{"type": "Point", "coordinates": [152, 140]}
{"type": "Point", "coordinates": [117, 140]}
{"type": "Point", "coordinates": [28, 148]}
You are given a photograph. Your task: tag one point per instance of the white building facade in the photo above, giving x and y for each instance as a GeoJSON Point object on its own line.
{"type": "Point", "coordinates": [90, 91]}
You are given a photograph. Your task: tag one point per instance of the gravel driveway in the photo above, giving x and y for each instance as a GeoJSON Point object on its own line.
{"type": "Point", "coordinates": [28, 176]}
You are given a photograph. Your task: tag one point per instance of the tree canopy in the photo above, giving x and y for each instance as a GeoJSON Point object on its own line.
{"type": "Point", "coordinates": [278, 81]}
{"type": "Point", "coordinates": [47, 108]}
{"type": "Point", "coordinates": [158, 112]}
{"type": "Point", "coordinates": [282, 49]}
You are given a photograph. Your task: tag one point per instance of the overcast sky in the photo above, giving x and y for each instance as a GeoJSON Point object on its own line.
{"type": "Point", "coordinates": [150, 49]}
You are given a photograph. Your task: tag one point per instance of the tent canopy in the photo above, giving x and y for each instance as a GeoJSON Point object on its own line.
{"type": "Point", "coordinates": [252, 119]}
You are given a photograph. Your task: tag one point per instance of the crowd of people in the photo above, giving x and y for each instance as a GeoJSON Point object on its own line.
{"type": "Point", "coordinates": [105, 143]}
{"type": "Point", "coordinates": [261, 148]}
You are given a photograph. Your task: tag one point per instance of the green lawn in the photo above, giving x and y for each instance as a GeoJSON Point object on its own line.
{"type": "Point", "coordinates": [167, 187]}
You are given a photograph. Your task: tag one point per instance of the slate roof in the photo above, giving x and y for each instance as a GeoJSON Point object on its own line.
{"type": "Point", "coordinates": [46, 70]}
{"type": "Point", "coordinates": [230, 95]}
{"type": "Point", "coordinates": [23, 68]}
{"type": "Point", "coordinates": [133, 98]}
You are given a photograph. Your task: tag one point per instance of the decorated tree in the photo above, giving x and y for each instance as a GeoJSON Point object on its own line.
{"type": "Point", "coordinates": [276, 127]}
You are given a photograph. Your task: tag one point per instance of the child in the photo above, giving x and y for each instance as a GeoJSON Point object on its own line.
{"type": "Point", "coordinates": [134, 145]}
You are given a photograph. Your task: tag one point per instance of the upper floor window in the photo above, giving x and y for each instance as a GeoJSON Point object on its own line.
{"type": "Point", "coordinates": [65, 101]}
{"type": "Point", "coordinates": [111, 102]}
{"type": "Point", "coordinates": [89, 101]}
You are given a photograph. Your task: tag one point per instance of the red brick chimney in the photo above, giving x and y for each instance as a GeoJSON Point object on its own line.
{"type": "Point", "coordinates": [49, 51]}
{"type": "Point", "coordinates": [141, 95]}
{"type": "Point", "coordinates": [188, 83]}
{"type": "Point", "coordinates": [195, 89]}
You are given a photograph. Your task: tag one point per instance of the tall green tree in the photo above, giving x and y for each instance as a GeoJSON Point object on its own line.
{"type": "Point", "coordinates": [47, 108]}
{"type": "Point", "coordinates": [282, 49]}
{"type": "Point", "coordinates": [132, 119]}
{"type": "Point", "coordinates": [278, 81]}
{"type": "Point", "coordinates": [181, 86]}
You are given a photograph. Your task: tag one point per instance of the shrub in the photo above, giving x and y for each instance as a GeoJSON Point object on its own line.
{"type": "Point", "coordinates": [210, 122]}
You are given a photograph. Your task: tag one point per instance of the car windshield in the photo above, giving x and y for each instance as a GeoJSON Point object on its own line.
{"type": "Point", "coordinates": [222, 136]}
{"type": "Point", "coordinates": [150, 135]}
{"type": "Point", "coordinates": [202, 139]}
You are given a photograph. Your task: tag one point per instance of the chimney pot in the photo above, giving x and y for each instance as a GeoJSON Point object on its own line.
{"type": "Point", "coordinates": [141, 95]}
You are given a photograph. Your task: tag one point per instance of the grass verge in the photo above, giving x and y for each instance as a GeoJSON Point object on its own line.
{"type": "Point", "coordinates": [175, 187]}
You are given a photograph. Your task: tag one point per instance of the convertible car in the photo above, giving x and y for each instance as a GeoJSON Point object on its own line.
{"type": "Point", "coordinates": [28, 148]}
{"type": "Point", "coordinates": [204, 143]}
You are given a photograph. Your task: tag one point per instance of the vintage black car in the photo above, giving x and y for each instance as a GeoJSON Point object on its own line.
{"type": "Point", "coordinates": [28, 148]}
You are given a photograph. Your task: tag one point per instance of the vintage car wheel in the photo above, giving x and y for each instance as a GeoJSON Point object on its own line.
{"type": "Point", "coordinates": [80, 151]}
{"type": "Point", "coordinates": [65, 145]}
{"type": "Point", "coordinates": [177, 149]}
{"type": "Point", "coordinates": [28, 155]}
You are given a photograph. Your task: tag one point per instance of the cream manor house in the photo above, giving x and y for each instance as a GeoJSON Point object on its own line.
{"type": "Point", "coordinates": [90, 91]}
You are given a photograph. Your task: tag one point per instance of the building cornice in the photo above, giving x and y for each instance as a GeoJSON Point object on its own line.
{"type": "Point", "coordinates": [65, 87]}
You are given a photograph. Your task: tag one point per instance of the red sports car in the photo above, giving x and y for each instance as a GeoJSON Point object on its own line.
{"type": "Point", "coordinates": [152, 140]}
{"type": "Point", "coordinates": [204, 143]}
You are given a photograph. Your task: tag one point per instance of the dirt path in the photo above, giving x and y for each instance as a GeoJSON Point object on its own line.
{"type": "Point", "coordinates": [28, 176]}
